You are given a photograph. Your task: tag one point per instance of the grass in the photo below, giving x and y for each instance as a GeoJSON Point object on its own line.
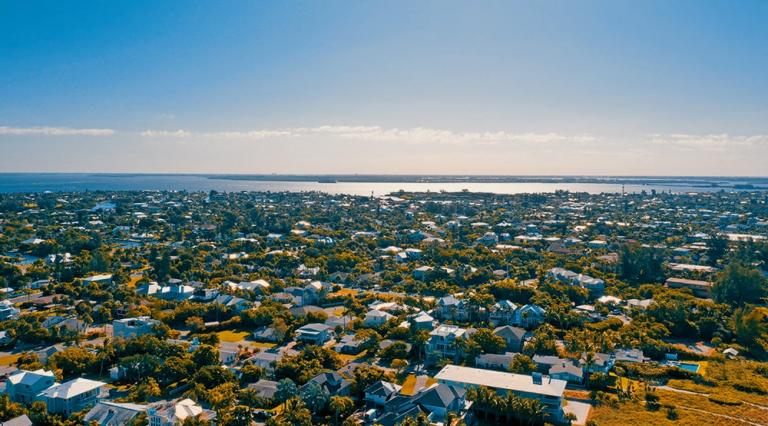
{"type": "Point", "coordinates": [409, 385]}
{"type": "Point", "coordinates": [262, 345]}
{"type": "Point", "coordinates": [9, 359]}
{"type": "Point", "coordinates": [346, 359]}
{"type": "Point", "coordinates": [232, 336]}
{"type": "Point", "coordinates": [345, 292]}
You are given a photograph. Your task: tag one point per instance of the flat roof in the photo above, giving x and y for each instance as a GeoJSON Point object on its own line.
{"type": "Point", "coordinates": [501, 380]}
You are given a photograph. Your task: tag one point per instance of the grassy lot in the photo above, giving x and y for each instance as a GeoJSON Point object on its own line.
{"type": "Point", "coordinates": [410, 382]}
{"type": "Point", "coordinates": [262, 345]}
{"type": "Point", "coordinates": [724, 379]}
{"type": "Point", "coordinates": [9, 359]}
{"type": "Point", "coordinates": [346, 359]}
{"type": "Point", "coordinates": [344, 292]}
{"type": "Point", "coordinates": [232, 336]}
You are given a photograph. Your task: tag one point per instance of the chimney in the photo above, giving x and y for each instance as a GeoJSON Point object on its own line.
{"type": "Point", "coordinates": [536, 378]}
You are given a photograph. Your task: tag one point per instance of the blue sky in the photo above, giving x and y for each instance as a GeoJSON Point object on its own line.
{"type": "Point", "coordinates": [537, 87]}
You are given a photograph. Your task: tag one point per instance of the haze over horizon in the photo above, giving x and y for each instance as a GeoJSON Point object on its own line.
{"type": "Point", "coordinates": [498, 88]}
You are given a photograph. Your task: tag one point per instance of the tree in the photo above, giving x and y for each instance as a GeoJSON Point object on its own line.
{"type": "Point", "coordinates": [72, 361]}
{"type": "Point", "coordinates": [522, 364]}
{"type": "Point", "coordinates": [239, 415]}
{"type": "Point", "coordinates": [9, 409]}
{"type": "Point", "coordinates": [314, 396]}
{"type": "Point", "coordinates": [250, 373]}
{"type": "Point", "coordinates": [341, 406]}
{"type": "Point", "coordinates": [286, 389]}
{"type": "Point", "coordinates": [145, 390]}
{"type": "Point", "coordinates": [206, 355]}
{"type": "Point", "coordinates": [751, 328]}
{"type": "Point", "coordinates": [396, 350]}
{"type": "Point", "coordinates": [295, 413]}
{"type": "Point", "coordinates": [738, 285]}
{"type": "Point", "coordinates": [717, 247]}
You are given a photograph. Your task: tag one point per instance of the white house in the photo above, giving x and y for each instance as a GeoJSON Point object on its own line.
{"type": "Point", "coordinates": [72, 396]}
{"type": "Point", "coordinates": [24, 386]}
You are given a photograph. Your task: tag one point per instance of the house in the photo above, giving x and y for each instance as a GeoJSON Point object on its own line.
{"type": "Point", "coordinates": [600, 363]}
{"type": "Point", "coordinates": [6, 339]}
{"type": "Point", "coordinates": [514, 336]}
{"type": "Point", "coordinates": [442, 343]}
{"type": "Point", "coordinates": [422, 321]}
{"type": "Point", "coordinates": [315, 333]}
{"type": "Point", "coordinates": [377, 394]}
{"type": "Point", "coordinates": [8, 311]}
{"type": "Point", "coordinates": [205, 294]}
{"type": "Point", "coordinates": [502, 313]}
{"type": "Point", "coordinates": [547, 390]}
{"type": "Point", "coordinates": [701, 289]}
{"type": "Point", "coordinates": [594, 285]}
{"type": "Point", "coordinates": [72, 396]}
{"type": "Point", "coordinates": [447, 307]}
{"type": "Point", "coordinates": [422, 272]}
{"type": "Point", "coordinates": [629, 355]}
{"type": "Point", "coordinates": [529, 316]}
{"type": "Point", "coordinates": [266, 334]}
{"type": "Point", "coordinates": [22, 420]}
{"type": "Point", "coordinates": [234, 303]}
{"type": "Point", "coordinates": [98, 279]}
{"type": "Point", "coordinates": [315, 292]}
{"type": "Point", "coordinates": [128, 328]}
{"type": "Point", "coordinates": [567, 371]}
{"type": "Point", "coordinates": [264, 388]}
{"type": "Point", "coordinates": [257, 285]}
{"type": "Point", "coordinates": [108, 413]}
{"type": "Point", "coordinates": [545, 362]}
{"type": "Point", "coordinates": [349, 344]}
{"type": "Point", "coordinates": [24, 386]}
{"type": "Point", "coordinates": [375, 318]}
{"type": "Point", "coordinates": [495, 361]}
{"type": "Point", "coordinates": [172, 413]}
{"type": "Point", "coordinates": [441, 399]}
{"type": "Point", "coordinates": [488, 239]}
{"type": "Point", "coordinates": [332, 383]}
{"type": "Point", "coordinates": [266, 360]}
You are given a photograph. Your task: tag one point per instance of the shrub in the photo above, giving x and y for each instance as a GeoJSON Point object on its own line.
{"type": "Point", "coordinates": [724, 400]}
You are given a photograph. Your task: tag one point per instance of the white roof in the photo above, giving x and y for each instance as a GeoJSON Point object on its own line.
{"type": "Point", "coordinates": [29, 377]}
{"type": "Point", "coordinates": [500, 380]}
{"type": "Point", "coordinates": [72, 388]}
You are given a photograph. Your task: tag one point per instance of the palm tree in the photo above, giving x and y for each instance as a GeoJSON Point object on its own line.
{"type": "Point", "coordinates": [339, 404]}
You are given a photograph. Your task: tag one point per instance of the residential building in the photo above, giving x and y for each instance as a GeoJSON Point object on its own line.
{"type": "Point", "coordinates": [72, 396]}
{"type": "Point", "coordinates": [128, 328]}
{"type": "Point", "coordinates": [315, 333]}
{"type": "Point", "coordinates": [547, 390]}
{"type": "Point", "coordinates": [108, 413]}
{"type": "Point", "coordinates": [513, 336]}
{"type": "Point", "coordinates": [702, 289]}
{"type": "Point", "coordinates": [171, 413]}
{"type": "Point", "coordinates": [443, 343]}
{"type": "Point", "coordinates": [24, 386]}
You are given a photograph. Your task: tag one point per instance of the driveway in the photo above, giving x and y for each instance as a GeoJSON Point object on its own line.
{"type": "Point", "coordinates": [579, 409]}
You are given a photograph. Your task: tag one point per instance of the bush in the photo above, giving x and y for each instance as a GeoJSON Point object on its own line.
{"type": "Point", "coordinates": [749, 387]}
{"type": "Point", "coordinates": [724, 400]}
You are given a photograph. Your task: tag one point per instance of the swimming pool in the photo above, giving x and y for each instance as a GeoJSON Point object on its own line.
{"type": "Point", "coordinates": [693, 368]}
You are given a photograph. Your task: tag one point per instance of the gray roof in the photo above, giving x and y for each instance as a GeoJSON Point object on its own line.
{"type": "Point", "coordinates": [442, 395]}
{"type": "Point", "coordinates": [106, 413]}
{"type": "Point", "coordinates": [22, 420]}
{"type": "Point", "coordinates": [264, 388]}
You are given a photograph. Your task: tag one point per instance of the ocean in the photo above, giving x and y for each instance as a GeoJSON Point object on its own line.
{"type": "Point", "coordinates": [78, 182]}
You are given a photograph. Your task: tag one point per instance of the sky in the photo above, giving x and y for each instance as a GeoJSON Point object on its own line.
{"type": "Point", "coordinates": [542, 87]}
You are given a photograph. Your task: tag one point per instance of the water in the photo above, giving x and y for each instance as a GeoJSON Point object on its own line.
{"type": "Point", "coordinates": [693, 368]}
{"type": "Point", "coordinates": [66, 182]}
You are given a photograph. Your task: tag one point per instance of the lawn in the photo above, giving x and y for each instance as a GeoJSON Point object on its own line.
{"type": "Point", "coordinates": [346, 359]}
{"type": "Point", "coordinates": [233, 336]}
{"type": "Point", "coordinates": [9, 359]}
{"type": "Point", "coordinates": [409, 385]}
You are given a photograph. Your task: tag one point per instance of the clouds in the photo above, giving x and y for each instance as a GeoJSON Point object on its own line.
{"type": "Point", "coordinates": [416, 135]}
{"type": "Point", "coordinates": [53, 131]}
{"type": "Point", "coordinates": [713, 142]}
